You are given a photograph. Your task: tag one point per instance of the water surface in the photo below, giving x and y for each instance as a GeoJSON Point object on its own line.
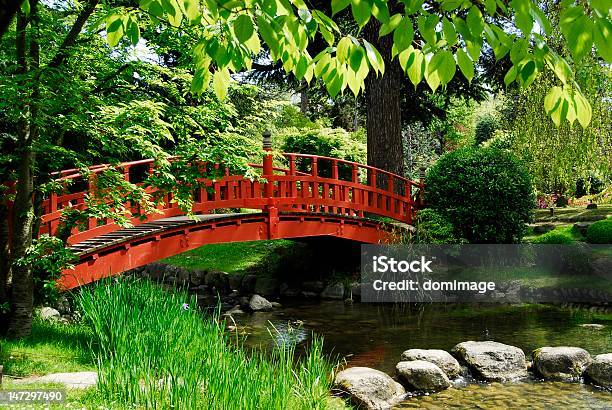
{"type": "Point", "coordinates": [376, 335]}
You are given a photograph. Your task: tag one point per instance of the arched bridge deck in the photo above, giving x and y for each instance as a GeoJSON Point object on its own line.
{"type": "Point", "coordinates": [310, 196]}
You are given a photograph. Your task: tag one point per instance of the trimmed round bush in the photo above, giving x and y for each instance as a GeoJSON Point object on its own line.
{"type": "Point", "coordinates": [486, 193]}
{"type": "Point", "coordinates": [434, 228]}
{"type": "Point", "coordinates": [600, 232]}
{"type": "Point", "coordinates": [554, 237]}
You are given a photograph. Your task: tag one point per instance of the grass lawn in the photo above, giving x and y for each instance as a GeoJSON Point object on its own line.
{"type": "Point", "coordinates": [231, 257]}
{"type": "Point", "coordinates": [52, 348]}
{"type": "Point", "coordinates": [569, 215]}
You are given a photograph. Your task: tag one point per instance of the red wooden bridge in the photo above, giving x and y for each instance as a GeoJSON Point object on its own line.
{"type": "Point", "coordinates": [309, 196]}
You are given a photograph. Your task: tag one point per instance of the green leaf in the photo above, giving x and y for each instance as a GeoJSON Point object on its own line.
{"type": "Point", "coordinates": [449, 32]}
{"type": "Point", "coordinates": [25, 7]}
{"type": "Point", "coordinates": [362, 11]}
{"type": "Point", "coordinates": [243, 27]}
{"type": "Point", "coordinates": [473, 48]}
{"type": "Point", "coordinates": [192, 10]}
{"type": "Point", "coordinates": [132, 30]}
{"type": "Point", "coordinates": [427, 26]}
{"type": "Point", "coordinates": [391, 25]}
{"type": "Point", "coordinates": [403, 35]}
{"type": "Point", "coordinates": [510, 75]}
{"type": "Point", "coordinates": [602, 31]}
{"type": "Point", "coordinates": [553, 99]}
{"type": "Point", "coordinates": [376, 60]}
{"type": "Point", "coordinates": [578, 31]}
{"type": "Point", "coordinates": [305, 15]}
{"type": "Point", "coordinates": [466, 65]}
{"type": "Point", "coordinates": [339, 5]}
{"type": "Point", "coordinates": [356, 58]}
{"type": "Point", "coordinates": [114, 29]}
{"type": "Point", "coordinates": [343, 48]}
{"type": "Point", "coordinates": [432, 78]}
{"type": "Point", "coordinates": [415, 67]}
{"type": "Point", "coordinates": [221, 80]}
{"type": "Point", "coordinates": [475, 21]}
{"type": "Point", "coordinates": [380, 11]}
{"type": "Point", "coordinates": [522, 15]}
{"type": "Point", "coordinates": [527, 72]}
{"type": "Point", "coordinates": [583, 109]}
{"type": "Point", "coordinates": [444, 65]}
{"type": "Point", "coordinates": [491, 6]}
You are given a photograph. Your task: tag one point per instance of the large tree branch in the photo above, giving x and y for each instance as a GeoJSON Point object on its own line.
{"type": "Point", "coordinates": [75, 30]}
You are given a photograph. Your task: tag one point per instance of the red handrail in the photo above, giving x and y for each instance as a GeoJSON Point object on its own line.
{"type": "Point", "coordinates": [348, 189]}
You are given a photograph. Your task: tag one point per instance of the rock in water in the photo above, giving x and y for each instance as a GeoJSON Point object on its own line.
{"type": "Point", "coordinates": [492, 361]}
{"type": "Point", "coordinates": [258, 303]}
{"type": "Point", "coordinates": [440, 358]}
{"type": "Point", "coordinates": [369, 388]}
{"type": "Point", "coordinates": [333, 291]}
{"type": "Point", "coordinates": [561, 363]}
{"type": "Point", "coordinates": [600, 370]}
{"type": "Point", "coordinates": [422, 376]}
{"type": "Point", "coordinates": [48, 313]}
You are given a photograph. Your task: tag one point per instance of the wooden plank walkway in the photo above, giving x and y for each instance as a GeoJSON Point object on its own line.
{"type": "Point", "coordinates": [147, 228]}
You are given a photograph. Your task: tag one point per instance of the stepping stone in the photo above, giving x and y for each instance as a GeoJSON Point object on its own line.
{"type": "Point", "coordinates": [75, 380]}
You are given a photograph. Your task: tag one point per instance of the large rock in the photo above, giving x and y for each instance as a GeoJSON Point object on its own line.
{"type": "Point", "coordinates": [197, 277]}
{"type": "Point", "coordinates": [600, 370]}
{"type": "Point", "coordinates": [369, 388]}
{"type": "Point", "coordinates": [422, 376]}
{"type": "Point", "coordinates": [561, 363]}
{"type": "Point", "coordinates": [266, 286]}
{"type": "Point", "coordinates": [48, 313]}
{"type": "Point", "coordinates": [258, 303]}
{"type": "Point", "coordinates": [235, 281]}
{"type": "Point", "coordinates": [248, 284]}
{"type": "Point", "coordinates": [492, 361]}
{"type": "Point", "coordinates": [333, 291]}
{"type": "Point", "coordinates": [440, 358]}
{"type": "Point", "coordinates": [217, 280]}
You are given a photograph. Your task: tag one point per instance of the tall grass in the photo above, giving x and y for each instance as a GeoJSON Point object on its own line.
{"type": "Point", "coordinates": [153, 352]}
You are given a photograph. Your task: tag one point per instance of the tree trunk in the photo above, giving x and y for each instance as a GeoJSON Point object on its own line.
{"type": "Point", "coordinates": [20, 324]}
{"type": "Point", "coordinates": [384, 119]}
{"type": "Point", "coordinates": [304, 98]}
{"type": "Point", "coordinates": [5, 255]}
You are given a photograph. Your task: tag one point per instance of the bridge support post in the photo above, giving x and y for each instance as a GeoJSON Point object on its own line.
{"type": "Point", "coordinates": [422, 187]}
{"type": "Point", "coordinates": [268, 174]}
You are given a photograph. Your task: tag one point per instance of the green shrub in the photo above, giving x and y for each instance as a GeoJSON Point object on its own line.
{"type": "Point", "coordinates": [431, 227]}
{"type": "Point", "coordinates": [485, 127]}
{"type": "Point", "coordinates": [600, 232]}
{"type": "Point", "coordinates": [486, 193]}
{"type": "Point", "coordinates": [328, 142]}
{"type": "Point", "coordinates": [554, 237]}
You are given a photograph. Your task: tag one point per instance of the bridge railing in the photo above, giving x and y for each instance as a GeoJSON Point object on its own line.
{"type": "Point", "coordinates": [306, 184]}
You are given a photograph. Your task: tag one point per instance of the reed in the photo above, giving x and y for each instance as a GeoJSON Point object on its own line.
{"type": "Point", "coordinates": [154, 349]}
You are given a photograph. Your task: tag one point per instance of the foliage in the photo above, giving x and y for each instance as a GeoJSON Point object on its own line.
{"type": "Point", "coordinates": [588, 186]}
{"type": "Point", "coordinates": [328, 142]}
{"type": "Point", "coordinates": [227, 37]}
{"type": "Point", "coordinates": [554, 237]}
{"type": "Point", "coordinates": [558, 152]}
{"type": "Point", "coordinates": [141, 364]}
{"type": "Point", "coordinates": [485, 193]}
{"type": "Point", "coordinates": [48, 257]}
{"type": "Point", "coordinates": [434, 228]}
{"type": "Point", "coordinates": [600, 232]}
{"type": "Point", "coordinates": [485, 128]}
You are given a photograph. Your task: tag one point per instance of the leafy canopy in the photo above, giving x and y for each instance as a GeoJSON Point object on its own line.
{"type": "Point", "coordinates": [430, 39]}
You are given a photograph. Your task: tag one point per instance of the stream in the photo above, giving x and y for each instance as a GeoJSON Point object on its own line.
{"type": "Point", "coordinates": [375, 336]}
